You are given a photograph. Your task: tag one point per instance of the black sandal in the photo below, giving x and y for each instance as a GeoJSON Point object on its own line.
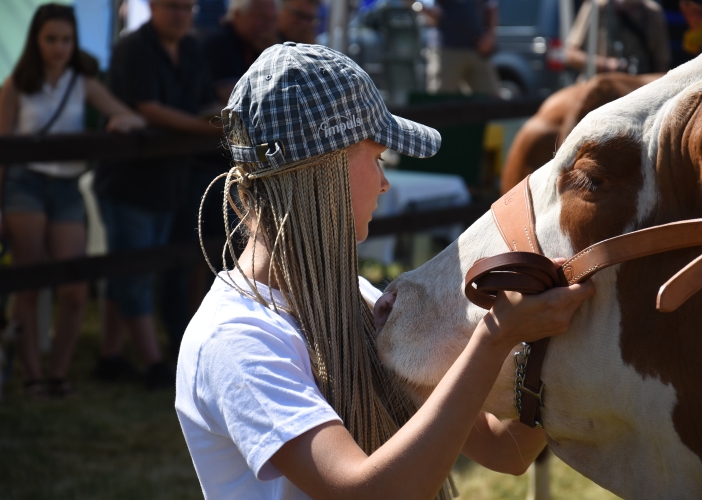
{"type": "Point", "coordinates": [36, 390]}
{"type": "Point", "coordinates": [59, 388]}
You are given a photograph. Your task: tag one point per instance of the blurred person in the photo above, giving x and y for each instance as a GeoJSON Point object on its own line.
{"type": "Point", "coordinates": [158, 71]}
{"type": "Point", "coordinates": [298, 21]}
{"type": "Point", "coordinates": [250, 27]}
{"type": "Point", "coordinates": [467, 40]}
{"type": "Point", "coordinates": [632, 37]}
{"type": "Point", "coordinates": [692, 38]}
{"type": "Point", "coordinates": [43, 212]}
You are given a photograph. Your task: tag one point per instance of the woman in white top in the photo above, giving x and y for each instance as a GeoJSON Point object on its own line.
{"type": "Point", "coordinates": [42, 209]}
{"type": "Point", "coordinates": [279, 391]}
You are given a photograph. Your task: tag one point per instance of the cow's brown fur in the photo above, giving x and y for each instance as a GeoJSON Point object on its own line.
{"type": "Point", "coordinates": [598, 195]}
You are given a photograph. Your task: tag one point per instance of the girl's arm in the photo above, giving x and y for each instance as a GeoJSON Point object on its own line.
{"type": "Point", "coordinates": [507, 447]}
{"type": "Point", "coordinates": [325, 462]}
{"type": "Point", "coordinates": [121, 117]}
{"type": "Point", "coordinates": [160, 115]}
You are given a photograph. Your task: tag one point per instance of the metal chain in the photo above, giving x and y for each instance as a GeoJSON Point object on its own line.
{"type": "Point", "coordinates": [520, 362]}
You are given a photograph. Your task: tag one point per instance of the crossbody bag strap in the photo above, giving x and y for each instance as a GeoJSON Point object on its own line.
{"type": "Point", "coordinates": [61, 106]}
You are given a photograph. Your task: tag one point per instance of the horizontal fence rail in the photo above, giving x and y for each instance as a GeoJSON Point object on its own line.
{"type": "Point", "coordinates": [449, 114]}
{"type": "Point", "coordinates": [94, 146]}
{"type": "Point", "coordinates": [159, 259]}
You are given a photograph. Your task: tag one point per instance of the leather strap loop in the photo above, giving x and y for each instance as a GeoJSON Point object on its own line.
{"type": "Point", "coordinates": [524, 272]}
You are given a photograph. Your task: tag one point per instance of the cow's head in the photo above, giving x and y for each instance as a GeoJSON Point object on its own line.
{"type": "Point", "coordinates": [630, 164]}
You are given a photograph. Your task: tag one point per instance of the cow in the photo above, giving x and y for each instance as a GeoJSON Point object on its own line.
{"type": "Point", "coordinates": [622, 399]}
{"type": "Point", "coordinates": [544, 132]}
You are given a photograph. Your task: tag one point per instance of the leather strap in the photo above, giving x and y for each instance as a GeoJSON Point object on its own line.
{"type": "Point", "coordinates": [526, 271]}
{"type": "Point", "coordinates": [523, 272]}
{"type": "Point", "coordinates": [683, 285]}
{"type": "Point", "coordinates": [637, 244]}
{"type": "Point", "coordinates": [583, 265]}
{"type": "Point", "coordinates": [532, 388]}
{"type": "Point", "coordinates": [514, 218]}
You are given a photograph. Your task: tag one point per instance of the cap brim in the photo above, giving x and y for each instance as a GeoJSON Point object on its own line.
{"type": "Point", "coordinates": [409, 138]}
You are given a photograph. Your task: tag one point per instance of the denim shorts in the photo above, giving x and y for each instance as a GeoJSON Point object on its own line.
{"type": "Point", "coordinates": [57, 197]}
{"type": "Point", "coordinates": [128, 228]}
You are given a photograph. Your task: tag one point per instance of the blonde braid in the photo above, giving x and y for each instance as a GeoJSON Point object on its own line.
{"type": "Point", "coordinates": [304, 213]}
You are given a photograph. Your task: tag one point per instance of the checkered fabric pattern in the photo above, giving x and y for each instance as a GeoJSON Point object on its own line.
{"type": "Point", "coordinates": [305, 100]}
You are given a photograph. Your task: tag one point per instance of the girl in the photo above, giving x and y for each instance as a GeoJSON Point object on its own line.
{"type": "Point", "coordinates": [43, 210]}
{"type": "Point", "coordinates": [280, 392]}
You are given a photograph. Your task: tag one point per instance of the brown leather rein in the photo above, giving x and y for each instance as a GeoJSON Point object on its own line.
{"type": "Point", "coordinates": [526, 270]}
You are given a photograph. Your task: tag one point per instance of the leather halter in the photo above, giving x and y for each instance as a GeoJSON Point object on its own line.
{"type": "Point", "coordinates": [527, 271]}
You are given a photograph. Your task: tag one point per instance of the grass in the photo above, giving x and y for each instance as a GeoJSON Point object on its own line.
{"type": "Point", "coordinates": [117, 441]}
{"type": "Point", "coordinates": [478, 483]}
{"type": "Point", "coordinates": [123, 442]}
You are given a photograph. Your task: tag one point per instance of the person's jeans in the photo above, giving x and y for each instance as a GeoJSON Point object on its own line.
{"type": "Point", "coordinates": [56, 197]}
{"type": "Point", "coordinates": [129, 228]}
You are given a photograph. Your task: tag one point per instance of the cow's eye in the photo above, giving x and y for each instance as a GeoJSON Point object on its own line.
{"type": "Point", "coordinates": [581, 180]}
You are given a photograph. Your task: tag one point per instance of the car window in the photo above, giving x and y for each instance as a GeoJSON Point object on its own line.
{"type": "Point", "coordinates": [519, 12]}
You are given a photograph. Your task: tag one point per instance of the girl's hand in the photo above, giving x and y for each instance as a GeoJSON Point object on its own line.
{"type": "Point", "coordinates": [125, 122]}
{"type": "Point", "coordinates": [519, 318]}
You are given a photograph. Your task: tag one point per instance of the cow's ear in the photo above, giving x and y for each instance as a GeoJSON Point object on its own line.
{"type": "Point", "coordinates": [679, 160]}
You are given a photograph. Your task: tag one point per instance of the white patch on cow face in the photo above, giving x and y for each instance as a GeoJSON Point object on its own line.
{"type": "Point", "coordinates": [421, 346]}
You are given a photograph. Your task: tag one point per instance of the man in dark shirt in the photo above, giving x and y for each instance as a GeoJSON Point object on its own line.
{"type": "Point", "coordinates": [249, 29]}
{"type": "Point", "coordinates": [462, 62]}
{"type": "Point", "coordinates": [158, 71]}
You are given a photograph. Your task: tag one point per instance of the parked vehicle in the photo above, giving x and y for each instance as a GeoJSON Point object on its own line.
{"type": "Point", "coordinates": [530, 57]}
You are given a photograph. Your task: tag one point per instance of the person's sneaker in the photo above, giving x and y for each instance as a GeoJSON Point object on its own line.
{"type": "Point", "coordinates": [115, 369]}
{"type": "Point", "coordinates": [159, 376]}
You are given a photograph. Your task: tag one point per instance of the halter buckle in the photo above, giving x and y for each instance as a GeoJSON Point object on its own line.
{"type": "Point", "coordinates": [538, 395]}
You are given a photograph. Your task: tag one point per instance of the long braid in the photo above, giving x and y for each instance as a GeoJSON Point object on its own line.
{"type": "Point", "coordinates": [304, 213]}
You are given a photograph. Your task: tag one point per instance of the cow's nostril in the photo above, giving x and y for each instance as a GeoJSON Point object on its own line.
{"type": "Point", "coordinates": [383, 308]}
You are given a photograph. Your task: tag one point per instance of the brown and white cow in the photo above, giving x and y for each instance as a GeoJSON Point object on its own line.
{"type": "Point", "coordinates": [543, 133]}
{"type": "Point", "coordinates": [623, 398]}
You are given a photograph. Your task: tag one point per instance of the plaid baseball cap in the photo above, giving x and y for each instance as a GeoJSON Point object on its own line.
{"type": "Point", "coordinates": [300, 100]}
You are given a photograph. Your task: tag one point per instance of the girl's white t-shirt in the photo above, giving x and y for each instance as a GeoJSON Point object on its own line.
{"type": "Point", "coordinates": [244, 388]}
